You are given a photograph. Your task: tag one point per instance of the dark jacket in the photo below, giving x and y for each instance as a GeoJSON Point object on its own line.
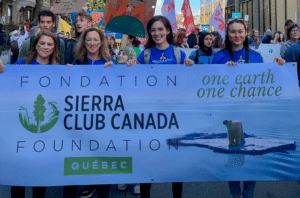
{"type": "Point", "coordinates": [192, 40]}
{"type": "Point", "coordinates": [70, 51]}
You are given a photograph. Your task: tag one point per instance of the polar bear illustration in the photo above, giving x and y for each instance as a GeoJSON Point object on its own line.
{"type": "Point", "coordinates": [235, 132]}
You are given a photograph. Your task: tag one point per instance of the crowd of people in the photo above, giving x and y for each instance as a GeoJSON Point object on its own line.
{"type": "Point", "coordinates": [38, 45]}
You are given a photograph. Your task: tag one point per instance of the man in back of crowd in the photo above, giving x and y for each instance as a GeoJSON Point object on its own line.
{"type": "Point", "coordinates": [83, 20]}
{"type": "Point", "coordinates": [193, 39]}
{"type": "Point", "coordinates": [46, 21]}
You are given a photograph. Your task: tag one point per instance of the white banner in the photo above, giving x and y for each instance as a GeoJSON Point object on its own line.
{"type": "Point", "coordinates": [95, 125]}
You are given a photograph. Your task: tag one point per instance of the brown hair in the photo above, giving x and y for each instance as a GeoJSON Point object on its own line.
{"type": "Point", "coordinates": [180, 37]}
{"type": "Point", "coordinates": [218, 41]}
{"type": "Point", "coordinates": [80, 49]}
{"type": "Point", "coordinates": [289, 29]}
{"type": "Point", "coordinates": [113, 38]}
{"type": "Point", "coordinates": [85, 15]}
{"type": "Point", "coordinates": [53, 59]}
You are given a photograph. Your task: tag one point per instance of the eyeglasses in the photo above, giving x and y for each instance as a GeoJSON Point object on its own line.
{"type": "Point", "coordinates": [295, 31]}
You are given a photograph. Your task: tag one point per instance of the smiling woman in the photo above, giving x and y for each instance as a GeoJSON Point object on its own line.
{"type": "Point", "coordinates": [92, 49]}
{"type": "Point", "coordinates": [44, 50]}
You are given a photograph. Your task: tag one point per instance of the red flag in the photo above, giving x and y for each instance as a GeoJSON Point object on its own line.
{"type": "Point", "coordinates": [188, 17]}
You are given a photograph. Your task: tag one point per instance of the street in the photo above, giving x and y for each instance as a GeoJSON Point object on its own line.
{"type": "Point", "coordinates": [264, 189]}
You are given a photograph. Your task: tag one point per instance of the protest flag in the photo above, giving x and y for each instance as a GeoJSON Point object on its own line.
{"type": "Point", "coordinates": [217, 20]}
{"type": "Point", "coordinates": [168, 10]}
{"type": "Point", "coordinates": [188, 17]}
{"type": "Point", "coordinates": [65, 27]}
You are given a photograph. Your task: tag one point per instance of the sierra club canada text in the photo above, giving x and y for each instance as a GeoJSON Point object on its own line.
{"type": "Point", "coordinates": [82, 114]}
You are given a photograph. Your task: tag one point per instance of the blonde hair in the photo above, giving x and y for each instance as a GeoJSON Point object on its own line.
{"type": "Point", "coordinates": [80, 49]}
{"type": "Point", "coordinates": [53, 59]}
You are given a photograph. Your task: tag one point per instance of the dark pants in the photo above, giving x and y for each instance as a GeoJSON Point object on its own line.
{"type": "Point", "coordinates": [176, 189]}
{"type": "Point", "coordinates": [19, 192]}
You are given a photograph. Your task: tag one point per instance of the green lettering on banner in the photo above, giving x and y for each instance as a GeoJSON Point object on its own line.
{"type": "Point", "coordinates": [97, 165]}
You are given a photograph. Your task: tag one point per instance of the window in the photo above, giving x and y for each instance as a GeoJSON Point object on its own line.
{"type": "Point", "coordinates": [9, 14]}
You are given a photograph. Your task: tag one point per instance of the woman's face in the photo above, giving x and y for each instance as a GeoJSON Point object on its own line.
{"type": "Point", "coordinates": [213, 38]}
{"type": "Point", "coordinates": [159, 32]}
{"type": "Point", "coordinates": [294, 33]}
{"type": "Point", "coordinates": [92, 42]}
{"type": "Point", "coordinates": [185, 39]}
{"type": "Point", "coordinates": [110, 41]}
{"type": "Point", "coordinates": [281, 36]}
{"type": "Point", "coordinates": [122, 57]}
{"type": "Point", "coordinates": [208, 41]}
{"type": "Point", "coordinates": [45, 46]}
{"type": "Point", "coordinates": [237, 34]}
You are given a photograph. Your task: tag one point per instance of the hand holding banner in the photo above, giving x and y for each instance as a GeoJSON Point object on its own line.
{"type": "Point", "coordinates": [217, 20]}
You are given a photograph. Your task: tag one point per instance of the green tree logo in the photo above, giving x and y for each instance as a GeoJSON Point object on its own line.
{"type": "Point", "coordinates": [40, 113]}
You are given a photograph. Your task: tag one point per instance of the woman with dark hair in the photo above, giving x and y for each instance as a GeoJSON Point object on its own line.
{"type": "Point", "coordinates": [112, 45]}
{"type": "Point", "coordinates": [236, 45]}
{"type": "Point", "coordinates": [205, 43]}
{"type": "Point", "coordinates": [92, 49]}
{"type": "Point", "coordinates": [181, 40]}
{"type": "Point", "coordinates": [217, 40]}
{"type": "Point", "coordinates": [277, 39]}
{"type": "Point", "coordinates": [134, 43]}
{"type": "Point", "coordinates": [237, 52]}
{"type": "Point", "coordinates": [158, 49]}
{"type": "Point", "coordinates": [44, 50]}
{"type": "Point", "coordinates": [293, 36]}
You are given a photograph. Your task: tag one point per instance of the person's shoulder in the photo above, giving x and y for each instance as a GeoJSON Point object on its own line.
{"type": "Point", "coordinates": [254, 52]}
{"type": "Point", "coordinates": [221, 52]}
{"type": "Point", "coordinates": [20, 61]}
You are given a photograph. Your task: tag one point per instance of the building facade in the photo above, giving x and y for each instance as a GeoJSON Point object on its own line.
{"type": "Point", "coordinates": [265, 14]}
{"type": "Point", "coordinates": [17, 11]}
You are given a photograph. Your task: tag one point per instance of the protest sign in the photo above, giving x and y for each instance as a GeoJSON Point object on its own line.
{"type": "Point", "coordinates": [269, 52]}
{"type": "Point", "coordinates": [168, 10]}
{"type": "Point", "coordinates": [68, 6]}
{"type": "Point", "coordinates": [91, 125]}
{"type": "Point", "coordinates": [142, 10]}
{"type": "Point", "coordinates": [188, 17]}
{"type": "Point", "coordinates": [63, 26]}
{"type": "Point", "coordinates": [217, 20]}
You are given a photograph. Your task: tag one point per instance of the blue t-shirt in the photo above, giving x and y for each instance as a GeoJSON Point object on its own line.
{"type": "Point", "coordinates": [157, 58]}
{"type": "Point", "coordinates": [34, 62]}
{"type": "Point", "coordinates": [223, 56]}
{"type": "Point", "coordinates": [99, 62]}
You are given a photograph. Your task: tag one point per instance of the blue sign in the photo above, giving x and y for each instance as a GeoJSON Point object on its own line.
{"type": "Point", "coordinates": [236, 15]}
{"type": "Point", "coordinates": [205, 28]}
{"type": "Point", "coordinates": [147, 123]}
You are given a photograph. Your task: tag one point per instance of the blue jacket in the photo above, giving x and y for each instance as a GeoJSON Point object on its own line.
{"type": "Point", "coordinates": [292, 54]}
{"type": "Point", "coordinates": [193, 54]}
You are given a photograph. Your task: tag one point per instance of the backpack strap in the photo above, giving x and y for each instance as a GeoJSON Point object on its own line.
{"type": "Point", "coordinates": [147, 54]}
{"type": "Point", "coordinates": [177, 54]}
{"type": "Point", "coordinates": [197, 57]}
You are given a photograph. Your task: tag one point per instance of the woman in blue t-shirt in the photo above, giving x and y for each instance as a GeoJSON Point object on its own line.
{"type": "Point", "coordinates": [204, 54]}
{"type": "Point", "coordinates": [236, 52]}
{"type": "Point", "coordinates": [158, 49]}
{"type": "Point", "coordinates": [44, 50]}
{"type": "Point", "coordinates": [92, 49]}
